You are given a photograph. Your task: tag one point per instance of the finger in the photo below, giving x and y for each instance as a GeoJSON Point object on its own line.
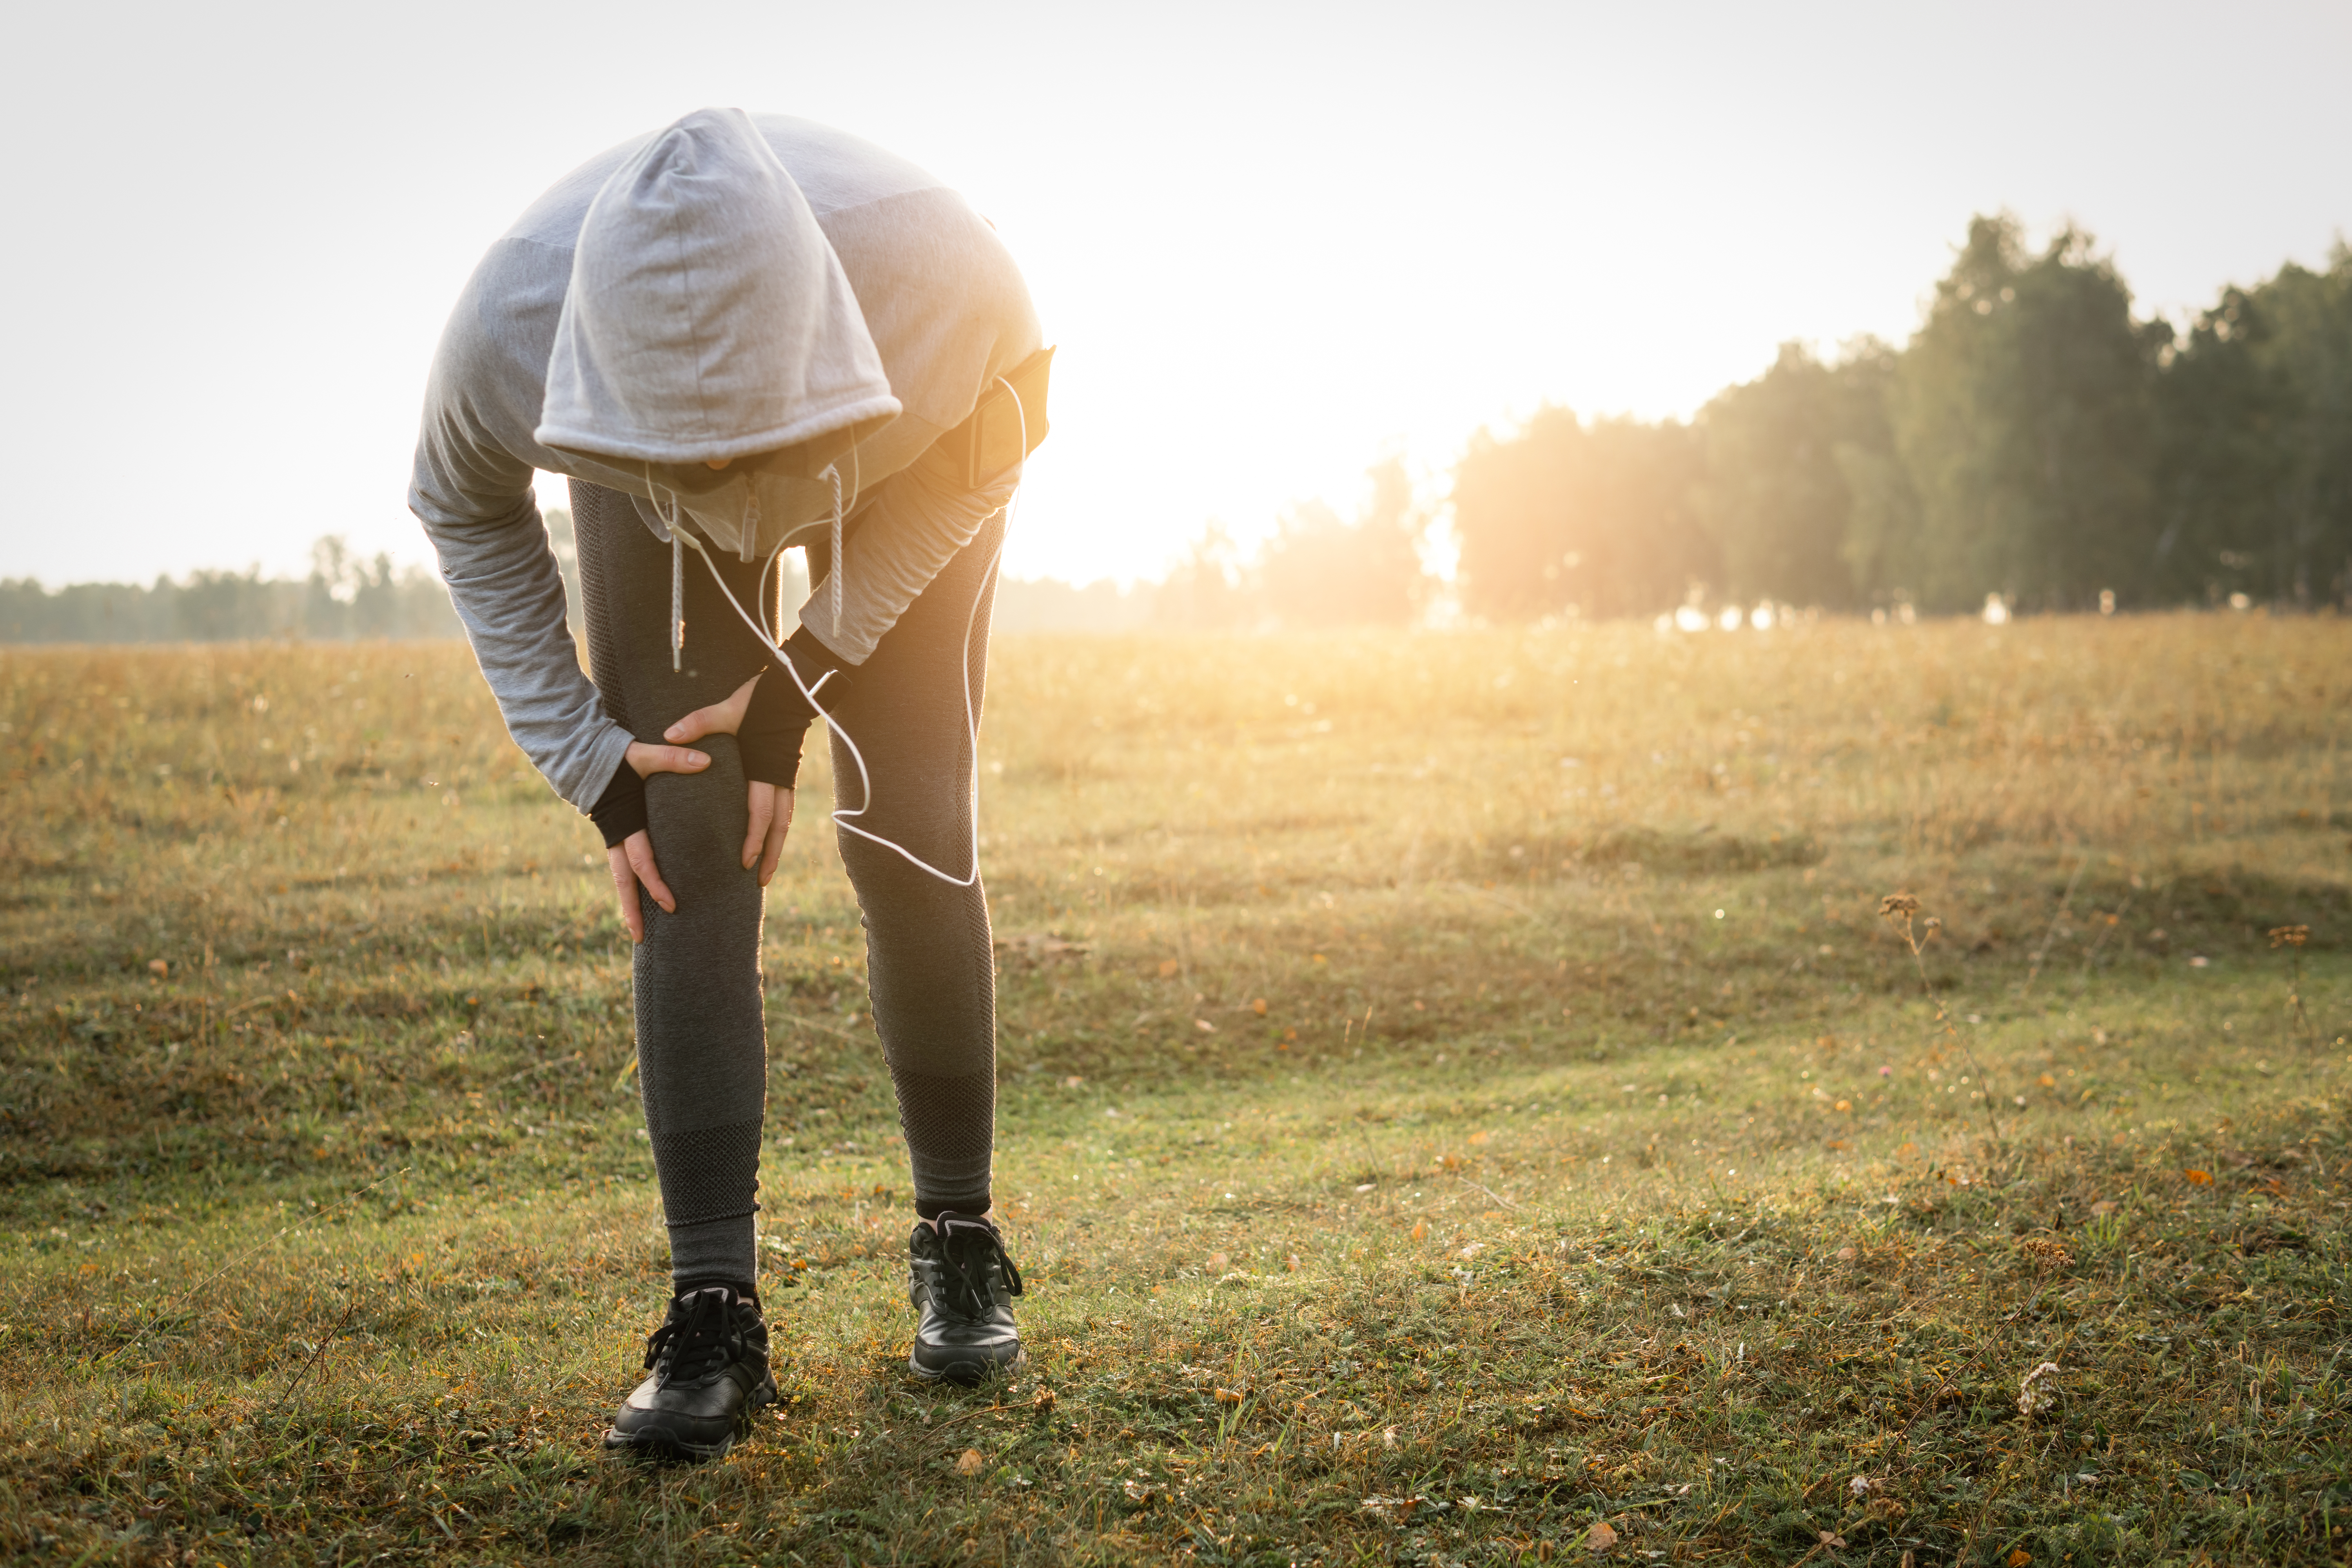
{"type": "Point", "coordinates": [763, 811]}
{"type": "Point", "coordinates": [776, 832]}
{"type": "Point", "coordinates": [651, 759]}
{"type": "Point", "coordinates": [641, 861]}
{"type": "Point", "coordinates": [718, 719]}
{"type": "Point", "coordinates": [624, 885]}
{"type": "Point", "coordinates": [694, 726]}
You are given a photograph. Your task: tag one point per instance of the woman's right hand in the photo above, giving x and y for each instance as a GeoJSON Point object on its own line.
{"type": "Point", "coordinates": [632, 859]}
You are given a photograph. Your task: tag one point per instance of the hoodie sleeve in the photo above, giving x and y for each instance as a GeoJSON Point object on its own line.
{"type": "Point", "coordinates": [474, 498]}
{"type": "Point", "coordinates": [917, 521]}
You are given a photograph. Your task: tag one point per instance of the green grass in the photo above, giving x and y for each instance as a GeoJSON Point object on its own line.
{"type": "Point", "coordinates": [1418, 1149]}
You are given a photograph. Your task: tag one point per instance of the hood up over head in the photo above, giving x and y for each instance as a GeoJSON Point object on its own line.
{"type": "Point", "coordinates": [708, 318]}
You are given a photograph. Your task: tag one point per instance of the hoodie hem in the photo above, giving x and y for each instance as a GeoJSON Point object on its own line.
{"type": "Point", "coordinates": [808, 427]}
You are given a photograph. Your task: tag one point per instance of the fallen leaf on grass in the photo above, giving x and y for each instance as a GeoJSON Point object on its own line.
{"type": "Point", "coordinates": [2018, 1557]}
{"type": "Point", "coordinates": [1600, 1538]}
{"type": "Point", "coordinates": [2200, 1178]}
{"type": "Point", "coordinates": [972, 1464]}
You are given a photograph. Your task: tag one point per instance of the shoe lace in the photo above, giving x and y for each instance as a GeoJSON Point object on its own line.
{"type": "Point", "coordinates": [966, 1254]}
{"type": "Point", "coordinates": [699, 1337]}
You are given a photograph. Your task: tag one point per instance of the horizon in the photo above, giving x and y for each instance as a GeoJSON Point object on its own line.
{"type": "Point", "coordinates": [1234, 247]}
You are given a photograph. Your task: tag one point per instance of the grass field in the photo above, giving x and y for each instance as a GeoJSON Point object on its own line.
{"type": "Point", "coordinates": [1461, 1103]}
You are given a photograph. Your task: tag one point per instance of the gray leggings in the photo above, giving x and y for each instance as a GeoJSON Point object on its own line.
{"type": "Point", "coordinates": [702, 1040]}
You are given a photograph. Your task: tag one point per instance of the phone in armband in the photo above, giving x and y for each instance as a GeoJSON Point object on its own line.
{"type": "Point", "coordinates": [1007, 425]}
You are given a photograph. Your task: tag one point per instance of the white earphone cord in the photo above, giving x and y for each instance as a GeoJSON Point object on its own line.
{"type": "Point", "coordinates": [971, 720]}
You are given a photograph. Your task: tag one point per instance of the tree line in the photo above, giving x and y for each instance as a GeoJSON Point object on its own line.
{"type": "Point", "coordinates": [2035, 440]}
{"type": "Point", "coordinates": [345, 597]}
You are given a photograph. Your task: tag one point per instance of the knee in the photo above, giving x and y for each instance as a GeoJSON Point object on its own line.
{"type": "Point", "coordinates": [697, 821]}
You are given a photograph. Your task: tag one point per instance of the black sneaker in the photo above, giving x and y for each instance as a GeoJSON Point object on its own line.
{"type": "Point", "coordinates": [963, 1285]}
{"type": "Point", "coordinates": [709, 1366]}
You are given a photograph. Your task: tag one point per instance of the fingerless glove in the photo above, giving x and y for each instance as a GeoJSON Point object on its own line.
{"type": "Point", "coordinates": [776, 722]}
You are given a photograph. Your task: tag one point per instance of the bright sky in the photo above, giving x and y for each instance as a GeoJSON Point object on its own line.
{"type": "Point", "coordinates": [1273, 241]}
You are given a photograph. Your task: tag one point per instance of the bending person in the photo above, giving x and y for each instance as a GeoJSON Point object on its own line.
{"type": "Point", "coordinates": [741, 334]}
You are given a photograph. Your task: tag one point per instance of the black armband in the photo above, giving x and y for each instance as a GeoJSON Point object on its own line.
{"type": "Point", "coordinates": [777, 719]}
{"type": "Point", "coordinates": [621, 809]}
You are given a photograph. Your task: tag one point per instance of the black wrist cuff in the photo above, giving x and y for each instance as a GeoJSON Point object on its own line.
{"type": "Point", "coordinates": [621, 809]}
{"type": "Point", "coordinates": [814, 660]}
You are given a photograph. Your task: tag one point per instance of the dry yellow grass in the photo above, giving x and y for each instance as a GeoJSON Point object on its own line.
{"type": "Point", "coordinates": [1453, 1090]}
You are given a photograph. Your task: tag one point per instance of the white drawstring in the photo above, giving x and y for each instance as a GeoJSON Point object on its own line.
{"type": "Point", "coordinates": [780, 589]}
{"type": "Point", "coordinates": [747, 545]}
{"type": "Point", "coordinates": [838, 571]}
{"type": "Point", "coordinates": [677, 600]}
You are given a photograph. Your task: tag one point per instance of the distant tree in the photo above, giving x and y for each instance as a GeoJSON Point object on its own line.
{"type": "Point", "coordinates": [2311, 546]}
{"type": "Point", "coordinates": [1784, 456]}
{"type": "Point", "coordinates": [346, 597]}
{"type": "Point", "coordinates": [1203, 591]}
{"type": "Point", "coordinates": [222, 606]}
{"type": "Point", "coordinates": [2024, 412]}
{"type": "Point", "coordinates": [2228, 409]}
{"type": "Point", "coordinates": [86, 612]}
{"type": "Point", "coordinates": [1882, 527]}
{"type": "Point", "coordinates": [26, 611]}
{"type": "Point", "coordinates": [1319, 571]}
{"type": "Point", "coordinates": [1596, 519]}
{"type": "Point", "coordinates": [2258, 470]}
{"type": "Point", "coordinates": [334, 581]}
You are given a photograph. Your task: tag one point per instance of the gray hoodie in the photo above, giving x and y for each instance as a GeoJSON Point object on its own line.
{"type": "Point", "coordinates": [732, 285]}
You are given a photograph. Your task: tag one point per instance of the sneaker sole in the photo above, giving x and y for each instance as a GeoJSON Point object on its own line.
{"type": "Point", "coordinates": [661, 1445]}
{"type": "Point", "coordinates": [967, 1373]}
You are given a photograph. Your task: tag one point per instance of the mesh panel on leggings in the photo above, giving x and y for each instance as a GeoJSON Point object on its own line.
{"type": "Point", "coordinates": [710, 1174]}
{"type": "Point", "coordinates": [597, 514]}
{"type": "Point", "coordinates": [951, 1126]}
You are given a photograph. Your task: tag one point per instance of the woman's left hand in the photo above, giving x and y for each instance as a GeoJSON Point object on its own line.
{"type": "Point", "coordinates": [770, 806]}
